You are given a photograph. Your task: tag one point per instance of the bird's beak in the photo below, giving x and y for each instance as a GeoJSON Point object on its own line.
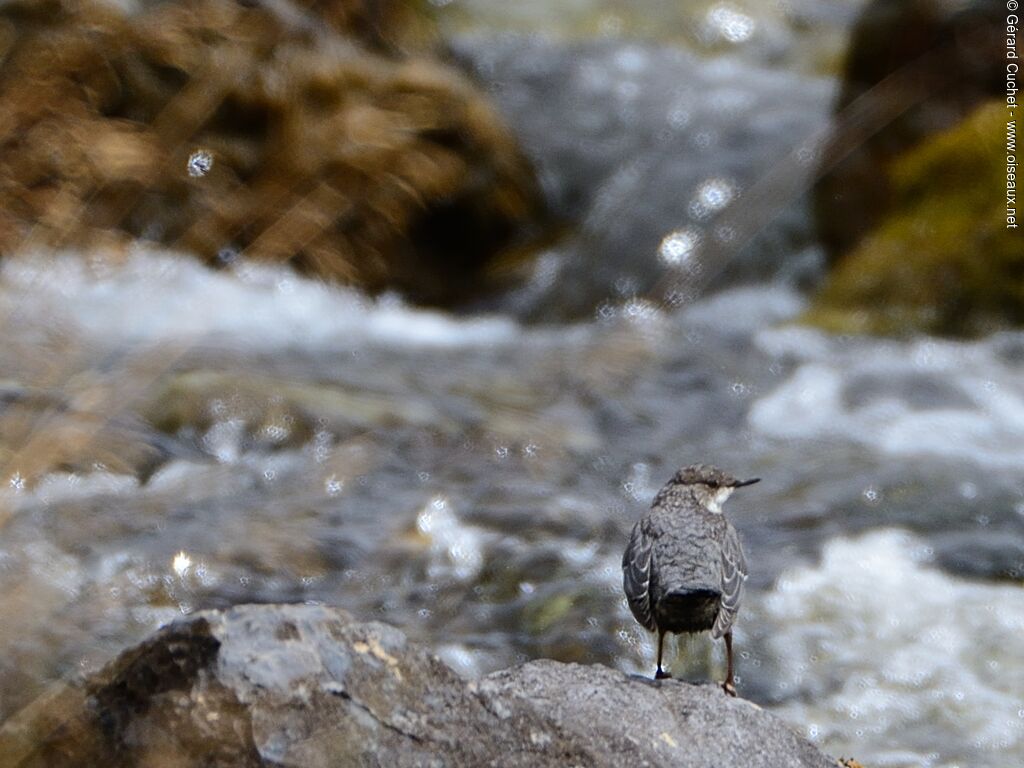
{"type": "Point", "coordinates": [753, 480]}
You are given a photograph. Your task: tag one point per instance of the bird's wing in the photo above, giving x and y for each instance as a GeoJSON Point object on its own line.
{"type": "Point", "coordinates": [636, 576]}
{"type": "Point", "coordinates": [734, 573]}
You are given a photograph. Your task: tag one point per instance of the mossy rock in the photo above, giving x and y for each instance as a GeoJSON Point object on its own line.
{"type": "Point", "coordinates": [942, 261]}
{"type": "Point", "coordinates": [940, 61]}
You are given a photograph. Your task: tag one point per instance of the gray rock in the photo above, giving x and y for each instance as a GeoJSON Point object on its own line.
{"type": "Point", "coordinates": [630, 720]}
{"type": "Point", "coordinates": [309, 686]}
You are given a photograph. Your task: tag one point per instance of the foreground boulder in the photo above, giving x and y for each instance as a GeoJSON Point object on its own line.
{"type": "Point", "coordinates": [330, 137]}
{"type": "Point", "coordinates": [309, 686]}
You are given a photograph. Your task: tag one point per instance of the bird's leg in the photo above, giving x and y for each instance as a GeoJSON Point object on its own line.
{"type": "Point", "coordinates": [728, 686]}
{"type": "Point", "coordinates": [661, 675]}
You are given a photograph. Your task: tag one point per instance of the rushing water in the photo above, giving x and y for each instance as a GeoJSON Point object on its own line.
{"type": "Point", "coordinates": [656, 153]}
{"type": "Point", "coordinates": [473, 481]}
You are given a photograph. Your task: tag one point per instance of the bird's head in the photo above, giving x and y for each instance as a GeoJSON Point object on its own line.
{"type": "Point", "coordinates": [711, 485]}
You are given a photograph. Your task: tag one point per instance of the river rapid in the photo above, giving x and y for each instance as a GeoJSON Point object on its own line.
{"type": "Point", "coordinates": [473, 480]}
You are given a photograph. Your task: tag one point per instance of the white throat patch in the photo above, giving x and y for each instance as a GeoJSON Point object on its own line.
{"type": "Point", "coordinates": [717, 499]}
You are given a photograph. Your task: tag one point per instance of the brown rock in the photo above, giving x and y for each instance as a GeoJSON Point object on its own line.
{"type": "Point", "coordinates": [42, 433]}
{"type": "Point", "coordinates": [339, 143]}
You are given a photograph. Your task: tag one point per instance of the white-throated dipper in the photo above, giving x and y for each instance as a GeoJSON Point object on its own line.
{"type": "Point", "coordinates": [683, 569]}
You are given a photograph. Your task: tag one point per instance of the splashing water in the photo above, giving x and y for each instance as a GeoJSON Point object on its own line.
{"type": "Point", "coordinates": [730, 23]}
{"type": "Point", "coordinates": [923, 666]}
{"type": "Point", "coordinates": [200, 163]}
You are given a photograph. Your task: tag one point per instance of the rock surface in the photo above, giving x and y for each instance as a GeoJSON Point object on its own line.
{"type": "Point", "coordinates": [309, 686]}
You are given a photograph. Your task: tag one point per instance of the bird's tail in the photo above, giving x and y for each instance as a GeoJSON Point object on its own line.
{"type": "Point", "coordinates": [689, 609]}
{"type": "Point", "coordinates": [691, 596]}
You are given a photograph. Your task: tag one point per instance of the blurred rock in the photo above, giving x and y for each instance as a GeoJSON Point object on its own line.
{"type": "Point", "coordinates": [41, 432]}
{"type": "Point", "coordinates": [941, 260]}
{"type": "Point", "coordinates": [329, 137]}
{"type": "Point", "coordinates": [277, 412]}
{"type": "Point", "coordinates": [272, 412]}
{"type": "Point", "coordinates": [308, 685]}
{"type": "Point", "coordinates": [938, 59]}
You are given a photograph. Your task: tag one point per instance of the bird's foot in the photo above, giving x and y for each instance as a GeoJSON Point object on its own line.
{"type": "Point", "coordinates": [729, 688]}
{"type": "Point", "coordinates": [662, 675]}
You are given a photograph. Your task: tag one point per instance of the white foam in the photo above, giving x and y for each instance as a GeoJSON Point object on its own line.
{"type": "Point", "coordinates": [62, 486]}
{"type": "Point", "coordinates": [870, 391]}
{"type": "Point", "coordinates": [456, 549]}
{"type": "Point", "coordinates": [745, 308]}
{"type": "Point", "coordinates": [468, 663]}
{"type": "Point", "coordinates": [158, 296]}
{"type": "Point", "coordinates": [911, 658]}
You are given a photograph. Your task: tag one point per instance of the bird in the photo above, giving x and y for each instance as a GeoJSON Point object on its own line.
{"type": "Point", "coordinates": [683, 568]}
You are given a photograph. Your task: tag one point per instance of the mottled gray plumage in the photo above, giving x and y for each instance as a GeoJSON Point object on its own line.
{"type": "Point", "coordinates": [683, 569]}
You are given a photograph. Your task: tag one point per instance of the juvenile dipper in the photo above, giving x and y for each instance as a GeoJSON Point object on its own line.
{"type": "Point", "coordinates": [683, 569]}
